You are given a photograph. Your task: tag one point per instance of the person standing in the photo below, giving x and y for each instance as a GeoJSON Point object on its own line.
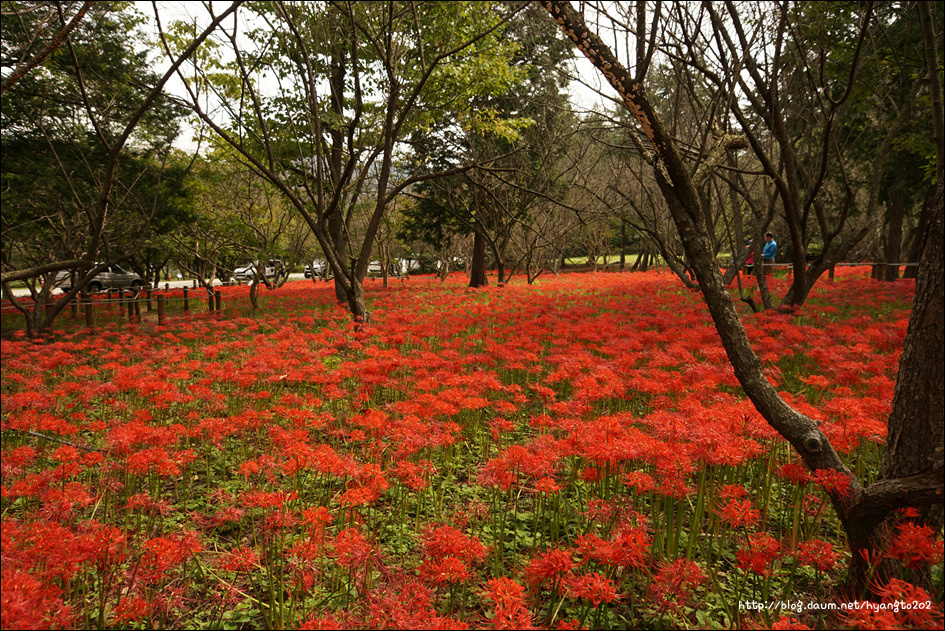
{"type": "Point", "coordinates": [768, 254]}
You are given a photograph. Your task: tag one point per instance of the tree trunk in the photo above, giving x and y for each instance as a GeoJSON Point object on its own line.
{"type": "Point", "coordinates": [477, 274]}
{"type": "Point", "coordinates": [336, 222]}
{"type": "Point", "coordinates": [915, 427]}
{"type": "Point", "coordinates": [356, 303]}
{"type": "Point", "coordinates": [623, 245]}
{"type": "Point", "coordinates": [894, 238]}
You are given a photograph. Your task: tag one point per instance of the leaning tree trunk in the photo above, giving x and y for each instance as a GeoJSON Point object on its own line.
{"type": "Point", "coordinates": [864, 509]}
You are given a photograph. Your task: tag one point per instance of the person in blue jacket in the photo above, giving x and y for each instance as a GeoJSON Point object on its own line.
{"type": "Point", "coordinates": [768, 254]}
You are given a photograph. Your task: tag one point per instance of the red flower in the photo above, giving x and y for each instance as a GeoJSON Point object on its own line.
{"type": "Point", "coordinates": [789, 624]}
{"type": "Point", "coordinates": [351, 550]}
{"type": "Point", "coordinates": [446, 541]}
{"type": "Point", "coordinates": [593, 587]}
{"type": "Point", "coordinates": [833, 481]}
{"type": "Point", "coordinates": [675, 582]}
{"type": "Point", "coordinates": [795, 472]}
{"type": "Point", "coordinates": [550, 565]}
{"type": "Point", "coordinates": [817, 553]}
{"type": "Point", "coordinates": [504, 592]}
{"type": "Point", "coordinates": [914, 545]}
{"type": "Point", "coordinates": [740, 514]}
{"type": "Point", "coordinates": [239, 560]}
{"type": "Point", "coordinates": [131, 609]}
{"type": "Point", "coordinates": [733, 492]}
{"type": "Point", "coordinates": [761, 550]}
{"type": "Point", "coordinates": [510, 610]}
{"type": "Point", "coordinates": [446, 570]}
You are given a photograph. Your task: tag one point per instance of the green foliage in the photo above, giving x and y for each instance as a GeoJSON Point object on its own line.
{"type": "Point", "coordinates": [59, 124]}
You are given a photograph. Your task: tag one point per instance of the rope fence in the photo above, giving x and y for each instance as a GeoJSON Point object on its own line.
{"type": "Point", "coordinates": [129, 300]}
{"type": "Point", "coordinates": [214, 297]}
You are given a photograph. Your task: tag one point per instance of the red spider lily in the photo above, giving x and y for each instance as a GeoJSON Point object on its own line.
{"type": "Point", "coordinates": [512, 618]}
{"type": "Point", "coordinates": [500, 426]}
{"type": "Point", "coordinates": [914, 607]}
{"type": "Point", "coordinates": [144, 502]}
{"type": "Point", "coordinates": [788, 624]}
{"type": "Point", "coordinates": [15, 460]}
{"type": "Point", "coordinates": [642, 482]}
{"type": "Point", "coordinates": [914, 545]}
{"type": "Point", "coordinates": [131, 609]}
{"type": "Point", "coordinates": [413, 474]}
{"type": "Point", "coordinates": [547, 486]}
{"type": "Point", "coordinates": [833, 481]}
{"type": "Point", "coordinates": [249, 468]}
{"type": "Point", "coordinates": [510, 610]}
{"type": "Point", "coordinates": [358, 496]}
{"type": "Point", "coordinates": [351, 550]}
{"type": "Point", "coordinates": [818, 554]}
{"type": "Point", "coordinates": [505, 592]}
{"type": "Point", "coordinates": [28, 603]}
{"type": "Point", "coordinates": [549, 566]}
{"type": "Point", "coordinates": [739, 514]}
{"type": "Point", "coordinates": [239, 560]}
{"type": "Point", "coordinates": [593, 587]}
{"type": "Point", "coordinates": [445, 570]}
{"type": "Point", "coordinates": [630, 548]}
{"type": "Point", "coordinates": [674, 584]}
{"type": "Point", "coordinates": [757, 556]}
{"type": "Point", "coordinates": [326, 623]}
{"type": "Point", "coordinates": [446, 541]}
{"type": "Point", "coordinates": [816, 381]}
{"type": "Point", "coordinates": [265, 499]}
{"type": "Point", "coordinates": [405, 604]}
{"type": "Point", "coordinates": [164, 553]}
{"type": "Point", "coordinates": [733, 492]}
{"type": "Point", "coordinates": [795, 472]}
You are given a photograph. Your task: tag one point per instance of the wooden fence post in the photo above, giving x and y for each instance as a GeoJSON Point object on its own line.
{"type": "Point", "coordinates": [219, 299]}
{"type": "Point", "coordinates": [160, 309]}
{"type": "Point", "coordinates": [186, 300]}
{"type": "Point", "coordinates": [209, 300]}
{"type": "Point", "coordinates": [149, 299]}
{"type": "Point", "coordinates": [89, 317]}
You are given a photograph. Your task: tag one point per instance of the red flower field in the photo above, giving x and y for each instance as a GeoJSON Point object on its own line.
{"type": "Point", "coordinates": [571, 454]}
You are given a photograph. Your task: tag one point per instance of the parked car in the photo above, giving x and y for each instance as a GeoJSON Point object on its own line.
{"type": "Point", "coordinates": [317, 268]}
{"type": "Point", "coordinates": [247, 272]}
{"type": "Point", "coordinates": [112, 278]}
{"type": "Point", "coordinates": [405, 266]}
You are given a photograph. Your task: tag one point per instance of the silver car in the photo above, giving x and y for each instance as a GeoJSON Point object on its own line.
{"type": "Point", "coordinates": [247, 272]}
{"type": "Point", "coordinates": [112, 278]}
